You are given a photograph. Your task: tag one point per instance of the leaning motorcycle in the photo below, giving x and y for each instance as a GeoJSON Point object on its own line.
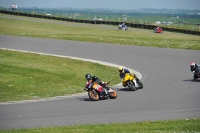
{"type": "Point", "coordinates": [132, 81]}
{"type": "Point", "coordinates": [122, 28]}
{"type": "Point", "coordinates": [196, 75]}
{"type": "Point", "coordinates": [159, 30]}
{"type": "Point", "coordinates": [108, 92]}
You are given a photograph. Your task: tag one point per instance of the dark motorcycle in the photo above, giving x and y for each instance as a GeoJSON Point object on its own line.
{"type": "Point", "coordinates": [196, 75]}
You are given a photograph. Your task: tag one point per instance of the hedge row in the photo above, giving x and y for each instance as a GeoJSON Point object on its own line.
{"type": "Point", "coordinates": [134, 25]}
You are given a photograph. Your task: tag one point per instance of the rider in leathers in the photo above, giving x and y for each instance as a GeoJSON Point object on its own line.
{"type": "Point", "coordinates": [195, 68]}
{"type": "Point", "coordinates": [122, 73]}
{"type": "Point", "coordinates": [91, 79]}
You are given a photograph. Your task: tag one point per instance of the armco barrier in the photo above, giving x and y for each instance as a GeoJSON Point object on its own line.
{"type": "Point", "coordinates": [134, 25]}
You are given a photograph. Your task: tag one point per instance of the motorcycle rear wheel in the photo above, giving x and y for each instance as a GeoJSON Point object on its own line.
{"type": "Point", "coordinates": [113, 93]}
{"type": "Point", "coordinates": [139, 83]}
{"type": "Point", "coordinates": [195, 76]}
{"type": "Point", "coordinates": [93, 95]}
{"type": "Point", "coordinates": [131, 85]}
{"type": "Point", "coordinates": [141, 86]}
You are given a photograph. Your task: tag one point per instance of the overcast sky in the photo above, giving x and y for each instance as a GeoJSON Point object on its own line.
{"type": "Point", "coordinates": [112, 4]}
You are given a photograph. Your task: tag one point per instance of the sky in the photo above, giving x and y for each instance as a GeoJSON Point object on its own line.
{"type": "Point", "coordinates": [111, 4]}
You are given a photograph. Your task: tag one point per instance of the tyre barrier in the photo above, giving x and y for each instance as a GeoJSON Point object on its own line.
{"type": "Point", "coordinates": [141, 26]}
{"type": "Point", "coordinates": [146, 26]}
{"type": "Point", "coordinates": [134, 25]}
{"type": "Point", "coordinates": [196, 33]}
{"type": "Point", "coordinates": [109, 23]}
{"type": "Point", "coordinates": [150, 27]}
{"type": "Point", "coordinates": [186, 31]}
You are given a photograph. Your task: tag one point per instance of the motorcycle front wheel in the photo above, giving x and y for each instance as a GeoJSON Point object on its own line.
{"type": "Point", "coordinates": [93, 95]}
{"type": "Point", "coordinates": [112, 93]}
{"type": "Point", "coordinates": [131, 85]}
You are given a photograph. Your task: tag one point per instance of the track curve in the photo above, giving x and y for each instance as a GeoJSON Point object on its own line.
{"type": "Point", "coordinates": [169, 91]}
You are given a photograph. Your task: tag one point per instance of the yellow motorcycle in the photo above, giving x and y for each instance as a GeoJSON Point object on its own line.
{"type": "Point", "coordinates": [108, 92]}
{"type": "Point", "coordinates": [132, 81]}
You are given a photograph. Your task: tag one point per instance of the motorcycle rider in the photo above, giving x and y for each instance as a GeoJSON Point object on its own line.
{"type": "Point", "coordinates": [157, 28]}
{"type": "Point", "coordinates": [123, 25]}
{"type": "Point", "coordinates": [122, 73]}
{"type": "Point", "coordinates": [91, 79]}
{"type": "Point", "coordinates": [195, 68]}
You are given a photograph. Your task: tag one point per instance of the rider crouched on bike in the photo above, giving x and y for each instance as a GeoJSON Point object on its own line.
{"type": "Point", "coordinates": [158, 28]}
{"type": "Point", "coordinates": [195, 68]}
{"type": "Point", "coordinates": [123, 25]}
{"type": "Point", "coordinates": [122, 73]}
{"type": "Point", "coordinates": [91, 79]}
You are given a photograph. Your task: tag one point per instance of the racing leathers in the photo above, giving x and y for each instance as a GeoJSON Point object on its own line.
{"type": "Point", "coordinates": [99, 88]}
{"type": "Point", "coordinates": [123, 73]}
{"type": "Point", "coordinates": [196, 70]}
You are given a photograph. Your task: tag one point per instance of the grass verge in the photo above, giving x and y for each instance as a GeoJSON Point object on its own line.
{"type": "Point", "coordinates": [171, 126]}
{"type": "Point", "coordinates": [42, 28]}
{"type": "Point", "coordinates": [25, 76]}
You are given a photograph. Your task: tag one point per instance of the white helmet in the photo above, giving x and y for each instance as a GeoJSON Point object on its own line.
{"type": "Point", "coordinates": [192, 64]}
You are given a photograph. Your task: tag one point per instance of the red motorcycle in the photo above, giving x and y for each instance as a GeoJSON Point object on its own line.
{"type": "Point", "coordinates": [94, 95]}
{"type": "Point", "coordinates": [158, 30]}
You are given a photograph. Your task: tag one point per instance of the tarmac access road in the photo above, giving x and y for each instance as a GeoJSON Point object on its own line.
{"type": "Point", "coordinates": [169, 89]}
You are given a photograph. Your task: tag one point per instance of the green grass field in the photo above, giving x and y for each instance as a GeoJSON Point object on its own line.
{"type": "Point", "coordinates": [26, 76]}
{"type": "Point", "coordinates": [170, 126]}
{"type": "Point", "coordinates": [42, 28]}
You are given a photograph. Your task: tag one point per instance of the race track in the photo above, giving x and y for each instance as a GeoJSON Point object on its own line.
{"type": "Point", "coordinates": [169, 91]}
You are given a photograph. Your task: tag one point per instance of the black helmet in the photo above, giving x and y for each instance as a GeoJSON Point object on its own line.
{"type": "Point", "coordinates": [88, 76]}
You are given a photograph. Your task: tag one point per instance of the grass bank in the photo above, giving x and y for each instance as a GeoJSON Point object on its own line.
{"type": "Point", "coordinates": [25, 76]}
{"type": "Point", "coordinates": [42, 28]}
{"type": "Point", "coordinates": [171, 126]}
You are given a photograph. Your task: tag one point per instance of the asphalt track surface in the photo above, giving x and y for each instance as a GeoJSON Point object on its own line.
{"type": "Point", "coordinates": [169, 89]}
